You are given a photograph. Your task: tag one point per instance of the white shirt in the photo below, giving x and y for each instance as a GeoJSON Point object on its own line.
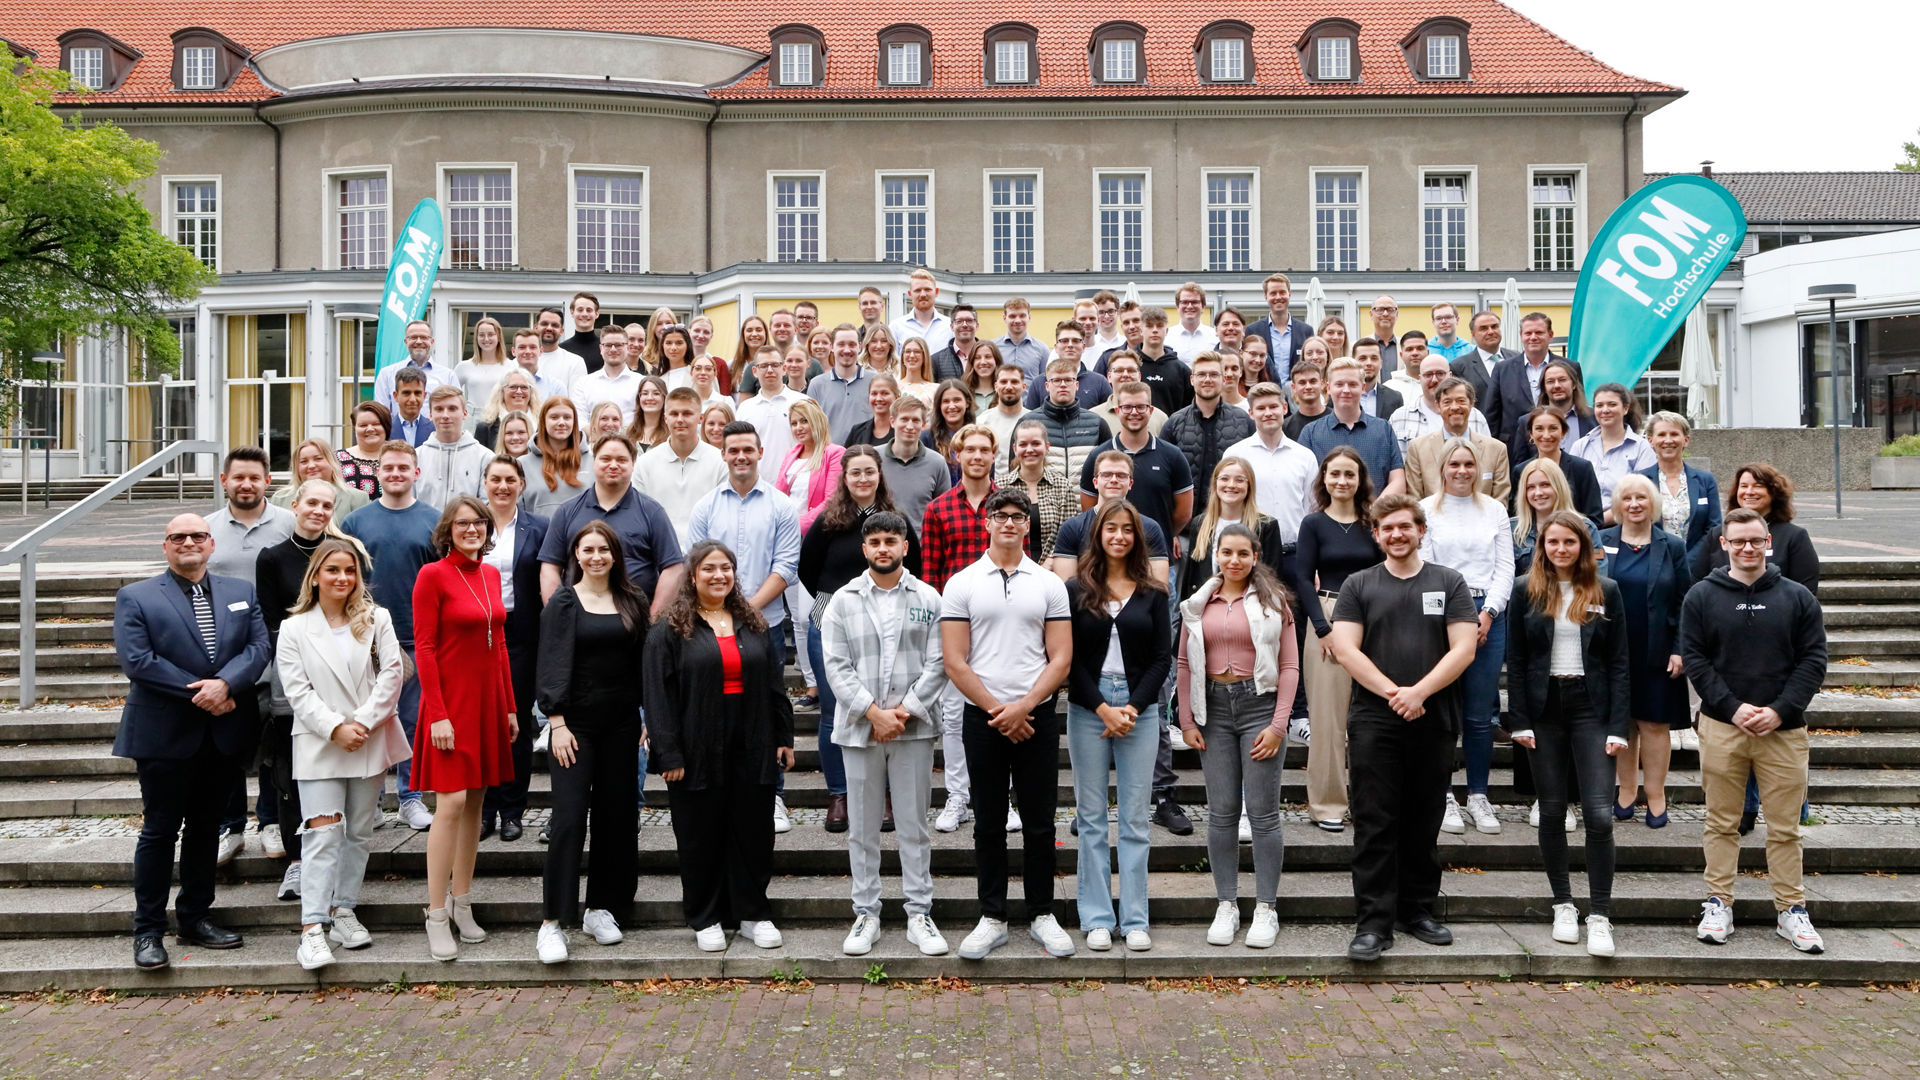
{"type": "Point", "coordinates": [1282, 480]}
{"type": "Point", "coordinates": [1098, 347]}
{"type": "Point", "coordinates": [1475, 537]}
{"type": "Point", "coordinates": [1008, 612]}
{"type": "Point", "coordinates": [888, 605]}
{"type": "Point", "coordinates": [938, 333]}
{"type": "Point", "coordinates": [501, 559]}
{"type": "Point", "coordinates": [1565, 659]}
{"type": "Point", "coordinates": [678, 377]}
{"type": "Point", "coordinates": [437, 375]}
{"type": "Point", "coordinates": [679, 483]}
{"type": "Point", "coordinates": [1114, 663]}
{"type": "Point", "coordinates": [1188, 344]}
{"type": "Point", "coordinates": [344, 644]}
{"type": "Point", "coordinates": [562, 367]}
{"type": "Point", "coordinates": [1415, 419]}
{"type": "Point", "coordinates": [591, 391]}
{"type": "Point", "coordinates": [768, 415]}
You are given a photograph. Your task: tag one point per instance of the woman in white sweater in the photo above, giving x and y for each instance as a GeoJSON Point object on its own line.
{"type": "Point", "coordinates": [1469, 532]}
{"type": "Point", "coordinates": [341, 665]}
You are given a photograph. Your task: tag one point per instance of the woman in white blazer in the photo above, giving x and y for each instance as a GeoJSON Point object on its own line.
{"type": "Point", "coordinates": [341, 666]}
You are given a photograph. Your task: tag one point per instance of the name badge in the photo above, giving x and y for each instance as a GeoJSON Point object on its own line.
{"type": "Point", "coordinates": [1610, 550]}
{"type": "Point", "coordinates": [1486, 476]}
{"type": "Point", "coordinates": [1596, 609]}
{"type": "Point", "coordinates": [1433, 603]}
{"type": "Point", "coordinates": [1769, 553]}
{"type": "Point", "coordinates": [241, 605]}
{"type": "Point", "coordinates": [1702, 502]}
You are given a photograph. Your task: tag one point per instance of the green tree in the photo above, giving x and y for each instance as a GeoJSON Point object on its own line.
{"type": "Point", "coordinates": [1912, 162]}
{"type": "Point", "coordinates": [78, 250]}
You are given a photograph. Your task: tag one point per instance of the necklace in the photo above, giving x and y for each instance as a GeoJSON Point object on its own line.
{"type": "Point", "coordinates": [486, 604]}
{"type": "Point", "coordinates": [720, 619]}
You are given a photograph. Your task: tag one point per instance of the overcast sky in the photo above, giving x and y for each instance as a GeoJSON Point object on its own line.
{"type": "Point", "coordinates": [1829, 84]}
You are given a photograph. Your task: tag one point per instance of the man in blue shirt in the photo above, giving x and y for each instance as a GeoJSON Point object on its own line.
{"type": "Point", "coordinates": [1016, 347]}
{"type": "Point", "coordinates": [419, 338]}
{"type": "Point", "coordinates": [756, 521]}
{"type": "Point", "coordinates": [1347, 425]}
{"type": "Point", "coordinates": [652, 548]}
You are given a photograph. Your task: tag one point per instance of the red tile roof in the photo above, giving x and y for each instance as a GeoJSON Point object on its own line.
{"type": "Point", "coordinates": [1510, 54]}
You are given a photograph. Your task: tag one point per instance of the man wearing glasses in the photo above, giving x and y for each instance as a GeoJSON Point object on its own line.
{"type": "Point", "coordinates": [193, 644]}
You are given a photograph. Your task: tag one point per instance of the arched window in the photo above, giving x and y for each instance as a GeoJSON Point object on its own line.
{"type": "Point", "coordinates": [799, 56]}
{"type": "Point", "coordinates": [1118, 53]}
{"type": "Point", "coordinates": [906, 55]}
{"type": "Point", "coordinates": [1223, 53]}
{"type": "Point", "coordinates": [1437, 50]}
{"type": "Point", "coordinates": [1330, 51]}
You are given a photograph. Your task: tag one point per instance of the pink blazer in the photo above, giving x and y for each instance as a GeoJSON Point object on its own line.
{"type": "Point", "coordinates": [819, 485]}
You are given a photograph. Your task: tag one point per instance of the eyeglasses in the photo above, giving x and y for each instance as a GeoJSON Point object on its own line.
{"type": "Point", "coordinates": [189, 538]}
{"type": "Point", "coordinates": [1006, 518]}
{"type": "Point", "coordinates": [1132, 408]}
{"type": "Point", "coordinates": [469, 525]}
{"type": "Point", "coordinates": [1755, 543]}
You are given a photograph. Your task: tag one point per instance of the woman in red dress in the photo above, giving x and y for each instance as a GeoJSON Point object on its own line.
{"type": "Point", "coordinates": [464, 743]}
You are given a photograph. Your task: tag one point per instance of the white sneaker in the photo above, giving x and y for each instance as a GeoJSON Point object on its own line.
{"type": "Point", "coordinates": [1450, 821]}
{"type": "Point", "coordinates": [347, 931]}
{"type": "Point", "coordinates": [1599, 935]}
{"type": "Point", "coordinates": [1046, 930]}
{"type": "Point", "coordinates": [986, 937]}
{"type": "Point", "coordinates": [313, 952]}
{"type": "Point", "coordinates": [1176, 739]}
{"type": "Point", "coordinates": [1014, 823]}
{"type": "Point", "coordinates": [1265, 928]}
{"type": "Point", "coordinates": [953, 814]}
{"type": "Point", "coordinates": [600, 923]}
{"type": "Point", "coordinates": [1533, 814]}
{"type": "Point", "coordinates": [1099, 939]}
{"type": "Point", "coordinates": [1139, 941]}
{"type": "Point", "coordinates": [231, 845]}
{"type": "Point", "coordinates": [270, 843]}
{"type": "Point", "coordinates": [551, 943]}
{"type": "Point", "coordinates": [1300, 730]}
{"type": "Point", "coordinates": [1481, 811]}
{"type": "Point", "coordinates": [765, 935]}
{"type": "Point", "coordinates": [415, 815]}
{"type": "Point", "coordinates": [290, 882]}
{"type": "Point", "coordinates": [1686, 739]}
{"type": "Point", "coordinates": [781, 821]}
{"type": "Point", "coordinates": [1797, 927]}
{"type": "Point", "coordinates": [866, 931]}
{"type": "Point", "coordinates": [1566, 924]}
{"type": "Point", "coordinates": [1573, 819]}
{"type": "Point", "coordinates": [1246, 828]}
{"type": "Point", "coordinates": [1716, 922]}
{"type": "Point", "coordinates": [711, 938]}
{"type": "Point", "coordinates": [925, 936]}
{"type": "Point", "coordinates": [1226, 923]}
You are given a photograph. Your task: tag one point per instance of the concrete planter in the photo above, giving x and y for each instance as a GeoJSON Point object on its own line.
{"type": "Point", "coordinates": [1896, 472]}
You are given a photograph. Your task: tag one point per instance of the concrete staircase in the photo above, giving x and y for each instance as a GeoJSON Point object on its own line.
{"type": "Point", "coordinates": [68, 814]}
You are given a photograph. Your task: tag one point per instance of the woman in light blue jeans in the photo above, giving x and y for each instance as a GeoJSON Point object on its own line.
{"type": "Point", "coordinates": [1122, 651]}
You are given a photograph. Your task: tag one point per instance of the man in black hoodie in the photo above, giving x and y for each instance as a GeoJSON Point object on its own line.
{"type": "Point", "coordinates": [1756, 650]}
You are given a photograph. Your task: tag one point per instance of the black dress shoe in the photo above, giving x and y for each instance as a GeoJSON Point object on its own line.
{"type": "Point", "coordinates": [1428, 929]}
{"type": "Point", "coordinates": [1169, 816]}
{"type": "Point", "coordinates": [486, 827]}
{"type": "Point", "coordinates": [149, 953]}
{"type": "Point", "coordinates": [1367, 948]}
{"type": "Point", "coordinates": [1747, 819]}
{"type": "Point", "coordinates": [836, 813]}
{"type": "Point", "coordinates": [205, 933]}
{"type": "Point", "coordinates": [511, 829]}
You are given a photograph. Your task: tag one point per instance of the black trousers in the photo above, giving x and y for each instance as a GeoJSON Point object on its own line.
{"type": "Point", "coordinates": [276, 780]}
{"type": "Point", "coordinates": [600, 785]}
{"type": "Point", "coordinates": [724, 833]}
{"type": "Point", "coordinates": [508, 801]}
{"type": "Point", "coordinates": [1033, 767]}
{"type": "Point", "coordinates": [1398, 772]}
{"type": "Point", "coordinates": [1301, 620]}
{"type": "Point", "coordinates": [183, 801]}
{"type": "Point", "coordinates": [1570, 740]}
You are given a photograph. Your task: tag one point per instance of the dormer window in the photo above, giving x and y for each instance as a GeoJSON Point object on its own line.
{"type": "Point", "coordinates": [88, 66]}
{"type": "Point", "coordinates": [1438, 49]}
{"type": "Point", "coordinates": [197, 64]}
{"type": "Point", "coordinates": [1334, 58]}
{"type": "Point", "coordinates": [799, 56]}
{"type": "Point", "coordinates": [1010, 54]}
{"type": "Point", "coordinates": [1116, 53]}
{"type": "Point", "coordinates": [205, 59]}
{"type": "Point", "coordinates": [1330, 51]}
{"type": "Point", "coordinates": [95, 60]}
{"type": "Point", "coordinates": [1223, 53]}
{"type": "Point", "coordinates": [796, 64]}
{"type": "Point", "coordinates": [904, 53]}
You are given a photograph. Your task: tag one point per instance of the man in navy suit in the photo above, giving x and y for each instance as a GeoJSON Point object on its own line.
{"type": "Point", "coordinates": [1514, 387]}
{"type": "Point", "coordinates": [1477, 364]}
{"type": "Point", "coordinates": [193, 644]}
{"type": "Point", "coordinates": [1284, 333]}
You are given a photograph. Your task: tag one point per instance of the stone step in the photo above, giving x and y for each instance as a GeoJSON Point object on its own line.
{"type": "Point", "coordinates": [1870, 616]}
{"type": "Point", "coordinates": [1868, 566]}
{"type": "Point", "coordinates": [67, 584]}
{"type": "Point", "coordinates": [60, 631]}
{"type": "Point", "coordinates": [1845, 671]}
{"type": "Point", "coordinates": [1888, 590]}
{"type": "Point", "coordinates": [91, 686]}
{"type": "Point", "coordinates": [88, 605]}
{"type": "Point", "coordinates": [1874, 643]}
{"type": "Point", "coordinates": [58, 725]}
{"type": "Point", "coordinates": [1481, 951]}
{"type": "Point", "coordinates": [65, 659]}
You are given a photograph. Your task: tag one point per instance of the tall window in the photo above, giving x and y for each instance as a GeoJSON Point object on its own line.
{"type": "Point", "coordinates": [1443, 222]}
{"type": "Point", "coordinates": [903, 219]}
{"type": "Point", "coordinates": [609, 223]}
{"type": "Point", "coordinates": [1553, 221]}
{"type": "Point", "coordinates": [197, 67]}
{"type": "Point", "coordinates": [796, 219]}
{"type": "Point", "coordinates": [88, 66]}
{"type": "Point", "coordinates": [1336, 221]}
{"type": "Point", "coordinates": [480, 219]}
{"type": "Point", "coordinates": [1229, 59]}
{"type": "Point", "coordinates": [903, 63]}
{"type": "Point", "coordinates": [1010, 61]}
{"type": "Point", "coordinates": [1014, 213]}
{"type": "Point", "coordinates": [1119, 60]}
{"type": "Point", "coordinates": [1443, 56]}
{"type": "Point", "coordinates": [1230, 221]}
{"type": "Point", "coordinates": [196, 219]}
{"type": "Point", "coordinates": [1335, 57]}
{"type": "Point", "coordinates": [362, 208]}
{"type": "Point", "coordinates": [796, 64]}
{"type": "Point", "coordinates": [1123, 214]}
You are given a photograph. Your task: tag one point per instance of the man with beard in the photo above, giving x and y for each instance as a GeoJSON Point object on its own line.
{"type": "Point", "coordinates": [419, 339]}
{"type": "Point", "coordinates": [1124, 367]}
{"type": "Point", "coordinates": [555, 363]}
{"type": "Point", "coordinates": [1090, 387]}
{"type": "Point", "coordinates": [1204, 429]}
{"type": "Point", "coordinates": [951, 362]}
{"type": "Point", "coordinates": [1009, 393]}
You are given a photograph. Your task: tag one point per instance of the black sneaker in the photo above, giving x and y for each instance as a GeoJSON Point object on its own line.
{"type": "Point", "coordinates": [1747, 819]}
{"type": "Point", "coordinates": [1169, 816]}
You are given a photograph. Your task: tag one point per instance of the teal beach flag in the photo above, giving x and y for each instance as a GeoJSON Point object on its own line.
{"type": "Point", "coordinates": [410, 274]}
{"type": "Point", "coordinates": [1645, 270]}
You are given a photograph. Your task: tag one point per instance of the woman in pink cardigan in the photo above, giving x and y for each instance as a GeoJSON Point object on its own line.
{"type": "Point", "coordinates": [809, 473]}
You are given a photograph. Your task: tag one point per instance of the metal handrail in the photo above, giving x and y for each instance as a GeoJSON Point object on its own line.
{"type": "Point", "coordinates": [26, 549]}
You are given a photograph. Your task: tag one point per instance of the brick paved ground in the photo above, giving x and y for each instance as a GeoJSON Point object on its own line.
{"type": "Point", "coordinates": [857, 1032]}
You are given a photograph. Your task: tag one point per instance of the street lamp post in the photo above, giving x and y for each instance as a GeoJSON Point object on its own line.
{"type": "Point", "coordinates": [1833, 294]}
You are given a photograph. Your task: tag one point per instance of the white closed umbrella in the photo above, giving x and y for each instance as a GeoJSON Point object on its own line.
{"type": "Point", "coordinates": [1132, 295]}
{"type": "Point", "coordinates": [1699, 372]}
{"type": "Point", "coordinates": [1510, 316]}
{"type": "Point", "coordinates": [1316, 303]}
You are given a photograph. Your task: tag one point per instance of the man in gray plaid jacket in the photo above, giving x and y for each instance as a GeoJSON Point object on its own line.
{"type": "Point", "coordinates": [881, 639]}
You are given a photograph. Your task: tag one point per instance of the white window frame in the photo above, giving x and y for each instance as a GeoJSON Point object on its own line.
{"type": "Point", "coordinates": [444, 171]}
{"type": "Point", "coordinates": [170, 212]}
{"type": "Point", "coordinates": [98, 54]}
{"type": "Point", "coordinates": [1026, 61]}
{"type": "Point", "coordinates": [1253, 215]}
{"type": "Point", "coordinates": [212, 79]}
{"type": "Point", "coordinates": [1365, 252]}
{"type": "Point", "coordinates": [987, 176]}
{"type": "Point", "coordinates": [1579, 173]}
{"type": "Point", "coordinates": [773, 238]}
{"type": "Point", "coordinates": [646, 213]}
{"type": "Point", "coordinates": [918, 52]}
{"type": "Point", "coordinates": [1472, 173]}
{"type": "Point", "coordinates": [880, 178]}
{"type": "Point", "coordinates": [1145, 173]}
{"type": "Point", "coordinates": [780, 74]}
{"type": "Point", "coordinates": [1459, 48]}
{"type": "Point", "coordinates": [1320, 47]}
{"type": "Point", "coordinates": [1108, 61]}
{"type": "Point", "coordinates": [1213, 59]}
{"type": "Point", "coordinates": [330, 212]}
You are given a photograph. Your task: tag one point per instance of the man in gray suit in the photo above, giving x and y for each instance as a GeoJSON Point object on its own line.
{"type": "Point", "coordinates": [1476, 365]}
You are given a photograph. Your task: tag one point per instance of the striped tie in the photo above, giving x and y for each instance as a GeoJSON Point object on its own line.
{"type": "Point", "coordinates": [203, 614]}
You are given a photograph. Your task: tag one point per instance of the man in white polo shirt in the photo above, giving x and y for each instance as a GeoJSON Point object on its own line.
{"type": "Point", "coordinates": [767, 409]}
{"type": "Point", "coordinates": [680, 472]}
{"type": "Point", "coordinates": [614, 381]}
{"type": "Point", "coordinates": [924, 320]}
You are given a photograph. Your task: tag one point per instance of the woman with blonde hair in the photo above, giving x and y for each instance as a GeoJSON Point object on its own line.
{"type": "Point", "coordinates": [1650, 565]}
{"type": "Point", "coordinates": [811, 469]}
{"type": "Point", "coordinates": [1315, 350]}
{"type": "Point", "coordinates": [557, 465]}
{"type": "Point", "coordinates": [878, 350]}
{"type": "Point", "coordinates": [606, 419]}
{"type": "Point", "coordinates": [315, 459]}
{"type": "Point", "coordinates": [1540, 489]}
{"type": "Point", "coordinates": [649, 426]}
{"type": "Point", "coordinates": [477, 375]}
{"type": "Point", "coordinates": [1333, 331]}
{"type": "Point", "coordinates": [1230, 501]}
{"type": "Point", "coordinates": [714, 418]}
{"type": "Point", "coordinates": [914, 369]}
{"type": "Point", "coordinates": [657, 324]}
{"type": "Point", "coordinates": [514, 392]}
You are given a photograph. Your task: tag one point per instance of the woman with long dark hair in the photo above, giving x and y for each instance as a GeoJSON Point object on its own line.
{"type": "Point", "coordinates": [590, 635]}
{"type": "Point", "coordinates": [952, 410]}
{"type": "Point", "coordinates": [1546, 429]}
{"type": "Point", "coordinates": [981, 368]}
{"type": "Point", "coordinates": [721, 730]}
{"type": "Point", "coordinates": [649, 426]}
{"type": "Point", "coordinates": [1122, 652]}
{"type": "Point", "coordinates": [676, 357]}
{"type": "Point", "coordinates": [753, 334]}
{"type": "Point", "coordinates": [1567, 702]}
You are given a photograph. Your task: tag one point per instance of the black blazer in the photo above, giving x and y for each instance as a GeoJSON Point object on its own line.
{"type": "Point", "coordinates": [1582, 483]}
{"type": "Point", "coordinates": [523, 622]}
{"type": "Point", "coordinates": [559, 678]}
{"type": "Point", "coordinates": [688, 716]}
{"type": "Point", "coordinates": [1197, 566]}
{"type": "Point", "coordinates": [1667, 586]}
{"type": "Point", "coordinates": [1469, 367]}
{"type": "Point", "coordinates": [1146, 647]}
{"type": "Point", "coordinates": [1792, 552]}
{"type": "Point", "coordinates": [158, 642]}
{"type": "Point", "coordinates": [1510, 398]}
{"type": "Point", "coordinates": [1386, 401]}
{"type": "Point", "coordinates": [1603, 656]}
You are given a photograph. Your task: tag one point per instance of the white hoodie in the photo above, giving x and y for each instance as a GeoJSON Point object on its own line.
{"type": "Point", "coordinates": [449, 469]}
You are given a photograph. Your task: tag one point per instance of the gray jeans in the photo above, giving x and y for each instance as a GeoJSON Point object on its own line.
{"type": "Point", "coordinates": [333, 858]}
{"type": "Point", "coordinates": [905, 765]}
{"type": "Point", "coordinates": [1235, 718]}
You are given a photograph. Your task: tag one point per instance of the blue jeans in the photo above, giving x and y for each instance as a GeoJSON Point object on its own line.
{"type": "Point", "coordinates": [831, 762]}
{"type": "Point", "coordinates": [1481, 686]}
{"type": "Point", "coordinates": [409, 717]}
{"type": "Point", "coordinates": [1131, 757]}
{"type": "Point", "coordinates": [1753, 797]}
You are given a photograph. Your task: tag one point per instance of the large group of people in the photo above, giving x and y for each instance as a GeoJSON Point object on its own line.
{"type": "Point", "coordinates": [609, 545]}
